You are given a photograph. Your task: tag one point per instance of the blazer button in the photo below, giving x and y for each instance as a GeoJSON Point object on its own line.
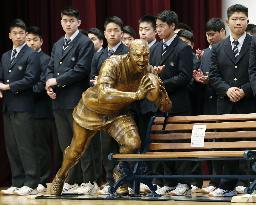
{"type": "Point", "coordinates": [235, 66]}
{"type": "Point", "coordinates": [58, 73]}
{"type": "Point", "coordinates": [235, 79]}
{"type": "Point", "coordinates": [10, 71]}
{"type": "Point", "coordinates": [60, 62]}
{"type": "Point", "coordinates": [210, 97]}
{"type": "Point", "coordinates": [63, 86]}
{"type": "Point", "coordinates": [7, 81]}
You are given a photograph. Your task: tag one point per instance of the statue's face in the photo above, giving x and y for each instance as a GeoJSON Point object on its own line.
{"type": "Point", "coordinates": [139, 54]}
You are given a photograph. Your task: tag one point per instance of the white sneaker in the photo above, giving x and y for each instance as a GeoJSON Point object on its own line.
{"type": "Point", "coordinates": [240, 189]}
{"type": "Point", "coordinates": [69, 188]}
{"type": "Point", "coordinates": [181, 190]}
{"type": "Point", "coordinates": [41, 188]}
{"type": "Point", "coordinates": [104, 190]}
{"type": "Point", "coordinates": [25, 190]}
{"type": "Point", "coordinates": [164, 190]}
{"type": "Point", "coordinates": [195, 189]}
{"type": "Point", "coordinates": [10, 191]}
{"type": "Point", "coordinates": [144, 188]}
{"type": "Point", "coordinates": [222, 193]}
{"type": "Point", "coordinates": [87, 188]}
{"type": "Point", "coordinates": [208, 189]}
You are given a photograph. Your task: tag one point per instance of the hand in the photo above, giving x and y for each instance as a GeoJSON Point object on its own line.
{"type": "Point", "coordinates": [4, 86]}
{"type": "Point", "coordinates": [199, 53]}
{"type": "Point", "coordinates": [50, 83]}
{"type": "Point", "coordinates": [145, 86]}
{"type": "Point", "coordinates": [158, 69]}
{"type": "Point", "coordinates": [200, 77]}
{"type": "Point", "coordinates": [51, 93]}
{"type": "Point", "coordinates": [1, 94]}
{"type": "Point", "coordinates": [235, 94]}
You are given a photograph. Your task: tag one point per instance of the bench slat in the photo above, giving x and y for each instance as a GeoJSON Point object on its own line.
{"type": "Point", "coordinates": [191, 154]}
{"type": "Point", "coordinates": [223, 125]}
{"type": "Point", "coordinates": [225, 117]}
{"type": "Point", "coordinates": [208, 135]}
{"type": "Point", "coordinates": [207, 145]}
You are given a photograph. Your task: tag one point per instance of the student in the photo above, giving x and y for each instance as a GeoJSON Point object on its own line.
{"type": "Point", "coordinates": [43, 122]}
{"type": "Point", "coordinates": [113, 32]}
{"type": "Point", "coordinates": [251, 29]}
{"type": "Point", "coordinates": [128, 35]}
{"type": "Point", "coordinates": [67, 77]}
{"type": "Point", "coordinates": [97, 38]}
{"type": "Point", "coordinates": [230, 80]}
{"type": "Point", "coordinates": [19, 71]}
{"type": "Point", "coordinates": [173, 61]}
{"type": "Point", "coordinates": [207, 99]}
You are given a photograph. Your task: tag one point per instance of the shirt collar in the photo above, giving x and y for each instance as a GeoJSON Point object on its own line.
{"type": "Point", "coordinates": [18, 49]}
{"type": "Point", "coordinates": [73, 35]}
{"type": "Point", "coordinates": [170, 40]}
{"type": "Point", "coordinates": [99, 49]}
{"type": "Point", "coordinates": [115, 47]}
{"type": "Point", "coordinates": [152, 43]}
{"type": "Point", "coordinates": [240, 40]}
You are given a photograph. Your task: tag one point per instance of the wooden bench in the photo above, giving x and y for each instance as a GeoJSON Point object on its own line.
{"type": "Point", "coordinates": [227, 137]}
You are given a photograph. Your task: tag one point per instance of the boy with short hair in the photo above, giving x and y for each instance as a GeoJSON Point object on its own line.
{"type": "Point", "coordinates": [67, 77]}
{"type": "Point", "coordinates": [19, 71]}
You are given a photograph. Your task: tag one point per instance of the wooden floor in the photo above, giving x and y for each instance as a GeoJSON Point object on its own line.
{"type": "Point", "coordinates": [22, 200]}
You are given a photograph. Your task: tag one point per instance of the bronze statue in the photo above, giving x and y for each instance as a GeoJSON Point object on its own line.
{"type": "Point", "coordinates": [122, 80]}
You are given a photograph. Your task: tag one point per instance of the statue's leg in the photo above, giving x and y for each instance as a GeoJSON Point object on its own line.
{"type": "Point", "coordinates": [80, 141]}
{"type": "Point", "coordinates": [125, 132]}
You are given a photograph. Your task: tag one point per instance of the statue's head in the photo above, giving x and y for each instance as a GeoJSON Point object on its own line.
{"type": "Point", "coordinates": [139, 54]}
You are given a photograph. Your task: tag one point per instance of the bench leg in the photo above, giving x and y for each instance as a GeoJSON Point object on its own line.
{"type": "Point", "coordinates": [141, 168]}
{"type": "Point", "coordinates": [251, 188]}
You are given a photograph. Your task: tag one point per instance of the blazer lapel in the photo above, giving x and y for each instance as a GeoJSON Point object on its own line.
{"type": "Point", "coordinates": [65, 52]}
{"type": "Point", "coordinates": [245, 47]}
{"type": "Point", "coordinates": [228, 50]}
{"type": "Point", "coordinates": [20, 54]}
{"type": "Point", "coordinates": [170, 49]}
{"type": "Point", "coordinates": [119, 49]}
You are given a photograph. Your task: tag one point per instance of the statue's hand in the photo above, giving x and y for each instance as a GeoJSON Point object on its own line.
{"type": "Point", "coordinates": [145, 86]}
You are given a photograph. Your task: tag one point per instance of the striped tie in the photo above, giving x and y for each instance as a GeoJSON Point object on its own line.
{"type": "Point", "coordinates": [66, 42]}
{"type": "Point", "coordinates": [235, 48]}
{"type": "Point", "coordinates": [14, 52]}
{"type": "Point", "coordinates": [165, 47]}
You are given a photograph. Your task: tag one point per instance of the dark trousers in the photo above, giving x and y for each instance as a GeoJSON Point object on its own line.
{"type": "Point", "coordinates": [43, 129]}
{"type": "Point", "coordinates": [20, 146]}
{"type": "Point", "coordinates": [64, 126]}
{"type": "Point", "coordinates": [90, 161]}
{"type": "Point", "coordinates": [108, 145]}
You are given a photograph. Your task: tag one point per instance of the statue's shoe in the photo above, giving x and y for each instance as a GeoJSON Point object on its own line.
{"type": "Point", "coordinates": [57, 186]}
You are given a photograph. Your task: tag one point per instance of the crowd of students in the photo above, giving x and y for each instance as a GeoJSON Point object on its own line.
{"type": "Point", "coordinates": [39, 93]}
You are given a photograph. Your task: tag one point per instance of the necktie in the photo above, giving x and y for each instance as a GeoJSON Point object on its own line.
{"type": "Point", "coordinates": [235, 48]}
{"type": "Point", "coordinates": [14, 52]}
{"type": "Point", "coordinates": [110, 52]}
{"type": "Point", "coordinates": [165, 47]}
{"type": "Point", "coordinates": [66, 42]}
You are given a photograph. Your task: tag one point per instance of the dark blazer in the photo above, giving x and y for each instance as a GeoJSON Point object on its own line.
{"type": "Point", "coordinates": [71, 68]}
{"type": "Point", "coordinates": [209, 94]}
{"type": "Point", "coordinates": [101, 56]}
{"type": "Point", "coordinates": [226, 72]}
{"type": "Point", "coordinates": [177, 73]}
{"type": "Point", "coordinates": [42, 100]}
{"type": "Point", "coordinates": [22, 74]}
{"type": "Point", "coordinates": [252, 65]}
